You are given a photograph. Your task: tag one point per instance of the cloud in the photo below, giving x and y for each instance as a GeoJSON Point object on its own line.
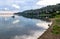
{"type": "Point", "coordinates": [6, 9]}
{"type": "Point", "coordinates": [48, 2]}
{"type": "Point", "coordinates": [16, 6]}
{"type": "Point", "coordinates": [19, 5]}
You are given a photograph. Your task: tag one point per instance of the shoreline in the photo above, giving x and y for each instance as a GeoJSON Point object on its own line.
{"type": "Point", "coordinates": [49, 32]}
{"type": "Point", "coordinates": [49, 23]}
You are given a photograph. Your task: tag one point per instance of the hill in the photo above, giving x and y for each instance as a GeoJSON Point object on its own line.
{"type": "Point", "coordinates": [42, 13]}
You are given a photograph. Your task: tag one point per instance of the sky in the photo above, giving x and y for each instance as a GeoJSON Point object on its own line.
{"type": "Point", "coordinates": [21, 5]}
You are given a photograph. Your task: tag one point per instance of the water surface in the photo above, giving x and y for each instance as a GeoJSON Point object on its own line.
{"type": "Point", "coordinates": [20, 28]}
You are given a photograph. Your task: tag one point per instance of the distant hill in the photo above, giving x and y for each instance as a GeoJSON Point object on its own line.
{"type": "Point", "coordinates": [48, 11]}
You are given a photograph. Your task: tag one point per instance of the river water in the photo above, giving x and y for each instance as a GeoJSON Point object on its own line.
{"type": "Point", "coordinates": [21, 28]}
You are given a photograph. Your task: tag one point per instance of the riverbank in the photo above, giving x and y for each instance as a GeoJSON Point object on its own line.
{"type": "Point", "coordinates": [54, 30]}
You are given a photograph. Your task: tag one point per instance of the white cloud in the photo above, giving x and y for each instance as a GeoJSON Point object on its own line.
{"type": "Point", "coordinates": [16, 6]}
{"type": "Point", "coordinates": [6, 8]}
{"type": "Point", "coordinates": [48, 2]}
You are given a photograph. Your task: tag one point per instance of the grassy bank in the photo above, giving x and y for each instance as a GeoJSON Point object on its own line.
{"type": "Point", "coordinates": [56, 26]}
{"type": "Point", "coordinates": [54, 31]}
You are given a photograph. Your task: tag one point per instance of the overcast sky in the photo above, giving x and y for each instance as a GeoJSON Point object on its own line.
{"type": "Point", "coordinates": [21, 5]}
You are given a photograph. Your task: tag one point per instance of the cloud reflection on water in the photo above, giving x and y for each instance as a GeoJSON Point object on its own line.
{"type": "Point", "coordinates": [25, 29]}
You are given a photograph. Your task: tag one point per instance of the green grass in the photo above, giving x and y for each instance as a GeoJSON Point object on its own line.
{"type": "Point", "coordinates": [57, 21]}
{"type": "Point", "coordinates": [56, 29]}
{"type": "Point", "coordinates": [57, 16]}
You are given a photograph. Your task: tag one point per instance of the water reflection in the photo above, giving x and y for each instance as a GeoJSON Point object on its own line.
{"type": "Point", "coordinates": [16, 28]}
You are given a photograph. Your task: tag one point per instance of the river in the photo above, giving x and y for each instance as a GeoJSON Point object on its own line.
{"type": "Point", "coordinates": [21, 28]}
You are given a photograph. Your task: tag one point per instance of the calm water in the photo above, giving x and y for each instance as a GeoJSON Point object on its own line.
{"type": "Point", "coordinates": [18, 27]}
